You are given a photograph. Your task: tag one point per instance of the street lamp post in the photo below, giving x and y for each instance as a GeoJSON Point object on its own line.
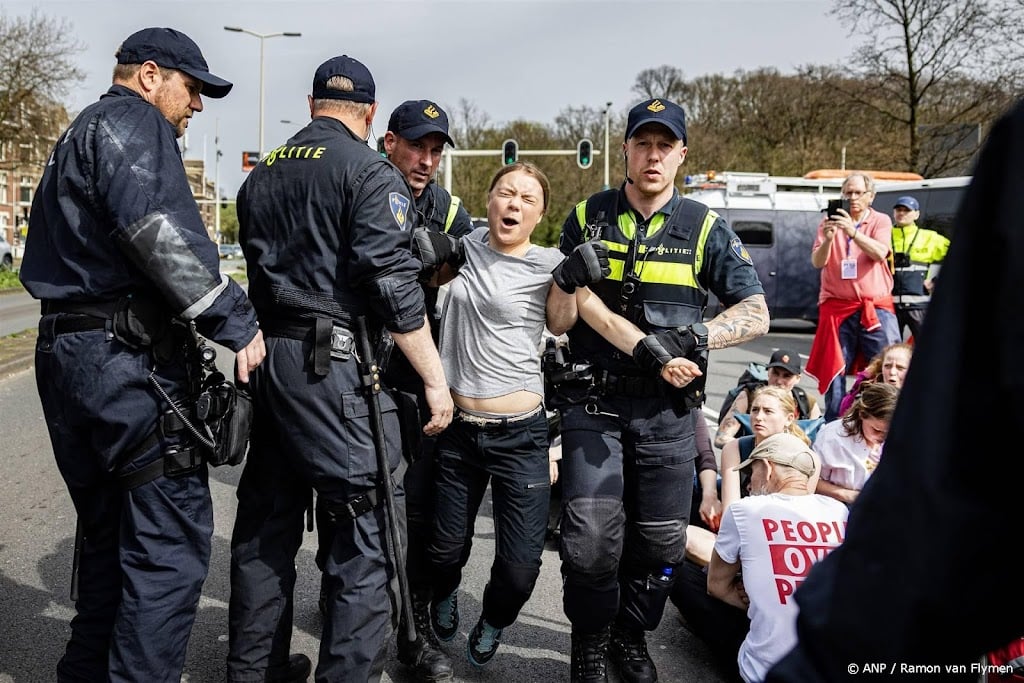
{"type": "Point", "coordinates": [262, 37]}
{"type": "Point", "coordinates": [607, 154]}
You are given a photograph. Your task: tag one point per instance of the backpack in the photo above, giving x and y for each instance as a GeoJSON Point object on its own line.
{"type": "Point", "coordinates": [756, 375]}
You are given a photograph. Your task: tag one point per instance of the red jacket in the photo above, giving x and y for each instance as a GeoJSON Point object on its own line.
{"type": "Point", "coordinates": [826, 361]}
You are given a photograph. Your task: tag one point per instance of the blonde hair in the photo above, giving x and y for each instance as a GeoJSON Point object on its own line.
{"type": "Point", "coordinates": [788, 403]}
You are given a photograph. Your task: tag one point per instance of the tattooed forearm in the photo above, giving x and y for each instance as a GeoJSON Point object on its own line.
{"type": "Point", "coordinates": [739, 323]}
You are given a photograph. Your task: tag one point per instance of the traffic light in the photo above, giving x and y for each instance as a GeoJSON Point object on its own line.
{"type": "Point", "coordinates": [509, 152]}
{"type": "Point", "coordinates": [380, 146]}
{"type": "Point", "coordinates": [584, 153]}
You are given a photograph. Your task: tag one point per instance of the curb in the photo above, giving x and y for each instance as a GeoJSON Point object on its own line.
{"type": "Point", "coordinates": [16, 365]}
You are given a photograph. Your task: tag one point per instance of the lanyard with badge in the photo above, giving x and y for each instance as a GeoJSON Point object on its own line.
{"type": "Point", "coordinates": [849, 264]}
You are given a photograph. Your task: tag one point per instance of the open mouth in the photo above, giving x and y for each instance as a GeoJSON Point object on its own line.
{"type": "Point", "coordinates": [509, 222]}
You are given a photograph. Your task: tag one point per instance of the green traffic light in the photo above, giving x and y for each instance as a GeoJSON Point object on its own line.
{"type": "Point", "coordinates": [510, 152]}
{"type": "Point", "coordinates": [584, 153]}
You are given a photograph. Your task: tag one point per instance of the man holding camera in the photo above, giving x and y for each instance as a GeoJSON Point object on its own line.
{"type": "Point", "coordinates": [917, 255]}
{"type": "Point", "coordinates": [856, 317]}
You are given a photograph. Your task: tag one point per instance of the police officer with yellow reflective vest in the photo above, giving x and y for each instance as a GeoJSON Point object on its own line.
{"type": "Point", "coordinates": [628, 443]}
{"type": "Point", "coordinates": [326, 226]}
{"type": "Point", "coordinates": [118, 254]}
{"type": "Point", "coordinates": [917, 256]}
{"type": "Point", "coordinates": [414, 142]}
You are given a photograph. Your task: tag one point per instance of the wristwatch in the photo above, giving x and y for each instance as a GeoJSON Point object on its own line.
{"type": "Point", "coordinates": [700, 336]}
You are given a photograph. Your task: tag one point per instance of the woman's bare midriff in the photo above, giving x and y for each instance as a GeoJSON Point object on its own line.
{"type": "Point", "coordinates": [509, 404]}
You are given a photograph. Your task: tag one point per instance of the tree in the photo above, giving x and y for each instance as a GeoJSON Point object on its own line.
{"type": "Point", "coordinates": [36, 70]}
{"type": "Point", "coordinates": [913, 52]}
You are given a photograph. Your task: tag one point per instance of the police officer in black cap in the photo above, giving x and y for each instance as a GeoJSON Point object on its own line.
{"type": "Point", "coordinates": [414, 142]}
{"type": "Point", "coordinates": [118, 254]}
{"type": "Point", "coordinates": [628, 449]}
{"type": "Point", "coordinates": [325, 224]}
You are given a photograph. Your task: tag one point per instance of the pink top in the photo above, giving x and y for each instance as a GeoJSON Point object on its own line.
{"type": "Point", "coordinates": [874, 279]}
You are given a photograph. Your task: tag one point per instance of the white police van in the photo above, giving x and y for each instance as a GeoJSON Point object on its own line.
{"type": "Point", "coordinates": [777, 218]}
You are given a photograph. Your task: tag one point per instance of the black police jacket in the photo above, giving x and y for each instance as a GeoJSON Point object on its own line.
{"type": "Point", "coordinates": [326, 226]}
{"type": "Point", "coordinates": [114, 216]}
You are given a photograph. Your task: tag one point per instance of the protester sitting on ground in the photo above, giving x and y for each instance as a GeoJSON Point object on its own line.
{"type": "Point", "coordinates": [780, 518]}
{"type": "Point", "coordinates": [890, 366]}
{"type": "Point", "coordinates": [784, 370]}
{"type": "Point", "coordinates": [773, 411]}
{"type": "Point", "coordinates": [851, 447]}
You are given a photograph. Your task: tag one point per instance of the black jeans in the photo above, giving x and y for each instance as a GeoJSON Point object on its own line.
{"type": "Point", "coordinates": [514, 459]}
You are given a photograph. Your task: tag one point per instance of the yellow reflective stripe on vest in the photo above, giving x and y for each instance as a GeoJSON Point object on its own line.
{"type": "Point", "coordinates": [656, 271]}
{"type": "Point", "coordinates": [702, 240]}
{"type": "Point", "coordinates": [453, 208]}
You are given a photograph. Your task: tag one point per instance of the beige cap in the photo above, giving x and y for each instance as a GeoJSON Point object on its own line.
{"type": "Point", "coordinates": [783, 449]}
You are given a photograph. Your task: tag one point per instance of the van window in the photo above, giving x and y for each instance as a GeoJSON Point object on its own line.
{"type": "Point", "coordinates": [753, 233]}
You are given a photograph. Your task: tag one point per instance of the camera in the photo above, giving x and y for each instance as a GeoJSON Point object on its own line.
{"type": "Point", "coordinates": [835, 204]}
{"type": "Point", "coordinates": [901, 260]}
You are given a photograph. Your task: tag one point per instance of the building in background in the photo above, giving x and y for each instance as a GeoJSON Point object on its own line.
{"type": "Point", "coordinates": [24, 150]}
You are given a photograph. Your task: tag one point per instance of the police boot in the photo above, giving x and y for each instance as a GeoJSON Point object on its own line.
{"type": "Point", "coordinates": [424, 655]}
{"type": "Point", "coordinates": [588, 662]}
{"type": "Point", "coordinates": [628, 650]}
{"type": "Point", "coordinates": [295, 670]}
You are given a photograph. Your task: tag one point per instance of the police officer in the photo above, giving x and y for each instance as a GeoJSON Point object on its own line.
{"type": "Point", "coordinates": [118, 254]}
{"type": "Point", "coordinates": [917, 256]}
{"type": "Point", "coordinates": [325, 224]}
{"type": "Point", "coordinates": [414, 142]}
{"type": "Point", "coordinates": [628, 451]}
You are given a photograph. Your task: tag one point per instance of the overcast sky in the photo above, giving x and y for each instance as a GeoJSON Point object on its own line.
{"type": "Point", "coordinates": [512, 59]}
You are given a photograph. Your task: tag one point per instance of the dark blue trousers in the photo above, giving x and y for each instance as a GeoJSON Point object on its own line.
{"type": "Point", "coordinates": [147, 550]}
{"type": "Point", "coordinates": [627, 481]}
{"type": "Point", "coordinates": [311, 432]}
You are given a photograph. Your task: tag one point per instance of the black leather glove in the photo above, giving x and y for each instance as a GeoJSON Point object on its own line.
{"type": "Point", "coordinates": [435, 249]}
{"type": "Point", "coordinates": [587, 264]}
{"type": "Point", "coordinates": [654, 350]}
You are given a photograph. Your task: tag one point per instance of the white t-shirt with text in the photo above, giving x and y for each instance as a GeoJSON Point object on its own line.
{"type": "Point", "coordinates": [777, 538]}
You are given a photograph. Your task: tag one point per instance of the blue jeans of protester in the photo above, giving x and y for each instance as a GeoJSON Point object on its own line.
{"type": "Point", "coordinates": [853, 338]}
{"type": "Point", "coordinates": [312, 433]}
{"type": "Point", "coordinates": [514, 459]}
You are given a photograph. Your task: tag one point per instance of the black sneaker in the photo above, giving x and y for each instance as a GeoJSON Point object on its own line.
{"type": "Point", "coordinates": [295, 671]}
{"type": "Point", "coordinates": [628, 650]}
{"type": "Point", "coordinates": [589, 657]}
{"type": "Point", "coordinates": [444, 616]}
{"type": "Point", "coordinates": [483, 643]}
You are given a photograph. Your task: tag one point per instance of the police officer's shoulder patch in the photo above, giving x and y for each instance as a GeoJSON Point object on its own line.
{"type": "Point", "coordinates": [737, 248]}
{"type": "Point", "coordinates": [399, 204]}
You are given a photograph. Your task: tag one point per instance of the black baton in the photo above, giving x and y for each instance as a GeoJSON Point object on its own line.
{"type": "Point", "coordinates": [76, 558]}
{"type": "Point", "coordinates": [370, 376]}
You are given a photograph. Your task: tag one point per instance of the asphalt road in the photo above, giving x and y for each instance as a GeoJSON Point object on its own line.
{"type": "Point", "coordinates": [36, 534]}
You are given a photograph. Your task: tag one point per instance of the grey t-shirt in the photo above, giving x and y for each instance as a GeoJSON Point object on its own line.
{"type": "Point", "coordinates": [493, 319]}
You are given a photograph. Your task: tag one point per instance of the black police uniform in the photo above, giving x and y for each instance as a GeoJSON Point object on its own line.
{"type": "Point", "coordinates": [325, 224]}
{"type": "Point", "coordinates": [432, 208]}
{"type": "Point", "coordinates": [627, 452]}
{"type": "Point", "coordinates": [113, 221]}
